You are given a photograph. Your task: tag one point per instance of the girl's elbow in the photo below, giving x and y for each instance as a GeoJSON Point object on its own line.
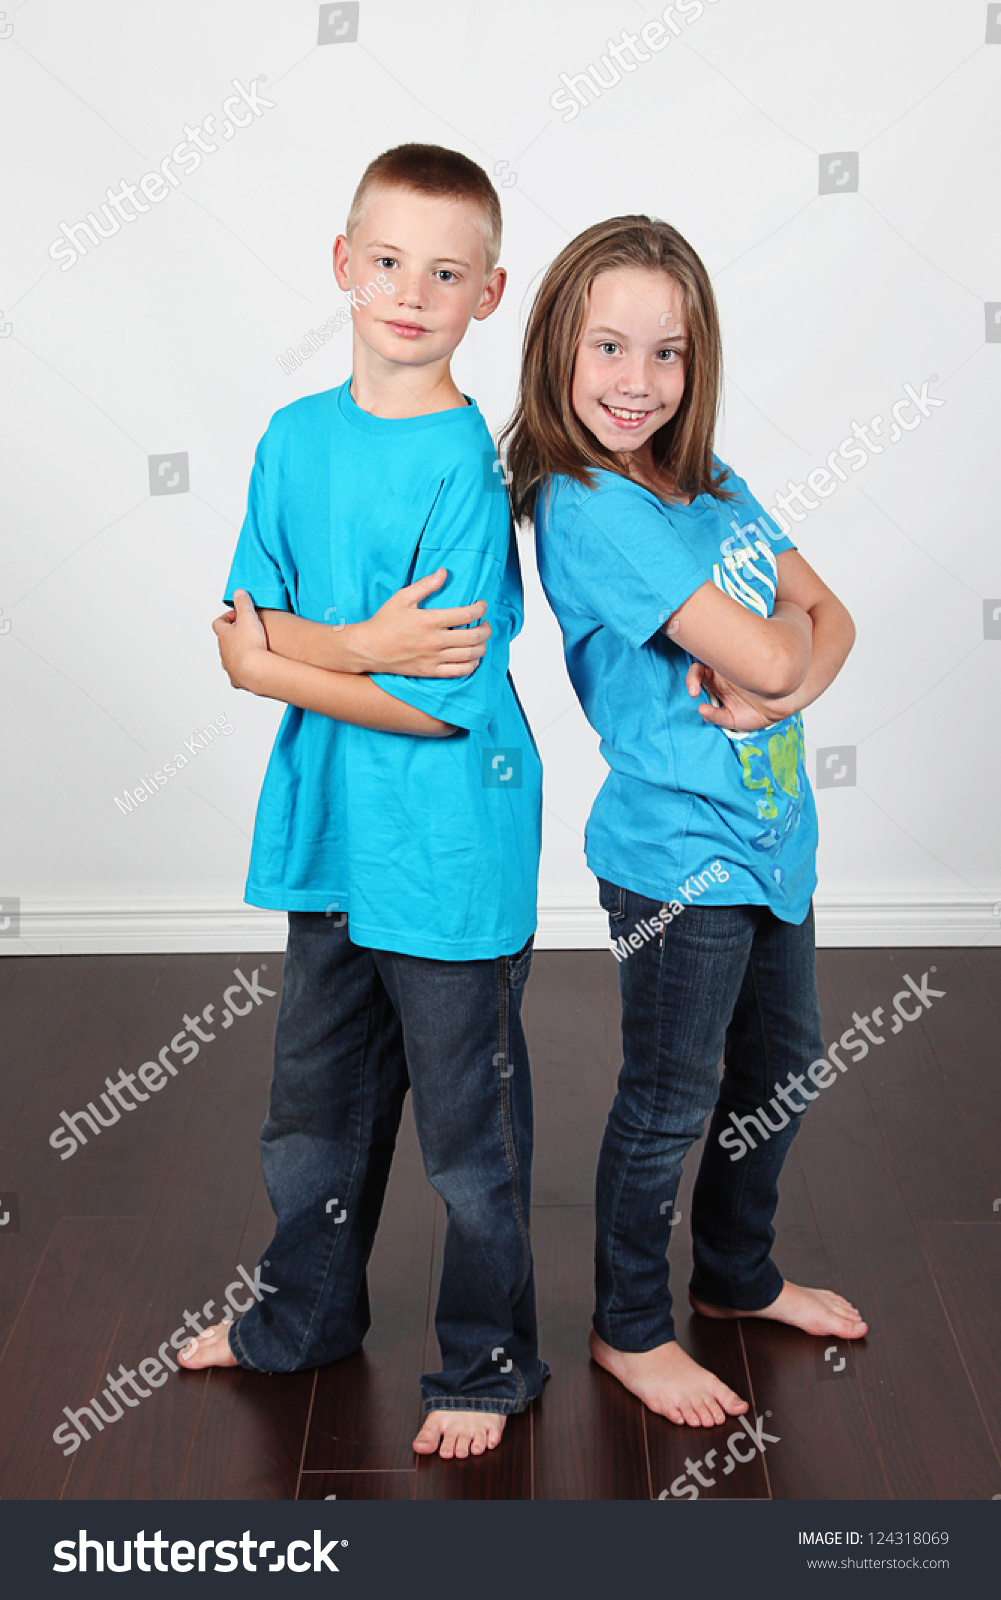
{"type": "Point", "coordinates": [783, 673]}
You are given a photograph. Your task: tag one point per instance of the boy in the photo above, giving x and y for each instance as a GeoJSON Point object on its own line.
{"type": "Point", "coordinates": [399, 822]}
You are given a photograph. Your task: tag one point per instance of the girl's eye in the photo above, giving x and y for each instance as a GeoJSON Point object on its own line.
{"type": "Point", "coordinates": [607, 348]}
{"type": "Point", "coordinates": [672, 354]}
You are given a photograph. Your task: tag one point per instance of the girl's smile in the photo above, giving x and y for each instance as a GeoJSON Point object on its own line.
{"type": "Point", "coordinates": [629, 371]}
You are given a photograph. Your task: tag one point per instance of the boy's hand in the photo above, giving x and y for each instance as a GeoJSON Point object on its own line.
{"type": "Point", "coordinates": [242, 641]}
{"type": "Point", "coordinates": [403, 639]}
{"type": "Point", "coordinates": [735, 709]}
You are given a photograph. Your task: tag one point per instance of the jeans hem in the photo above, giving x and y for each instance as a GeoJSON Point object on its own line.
{"type": "Point", "coordinates": [730, 1305]}
{"type": "Point", "coordinates": [240, 1353]}
{"type": "Point", "coordinates": [503, 1406]}
{"type": "Point", "coordinates": [649, 1342]}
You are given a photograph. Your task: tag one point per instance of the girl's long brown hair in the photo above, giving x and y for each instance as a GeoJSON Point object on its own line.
{"type": "Point", "coordinates": [545, 435]}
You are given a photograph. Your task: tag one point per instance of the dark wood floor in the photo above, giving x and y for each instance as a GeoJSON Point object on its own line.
{"type": "Point", "coordinates": [889, 1195]}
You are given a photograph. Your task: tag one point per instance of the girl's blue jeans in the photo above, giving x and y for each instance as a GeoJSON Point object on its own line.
{"type": "Point", "coordinates": [356, 1029]}
{"type": "Point", "coordinates": [719, 981]}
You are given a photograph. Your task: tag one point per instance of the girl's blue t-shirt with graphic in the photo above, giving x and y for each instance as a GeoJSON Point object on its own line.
{"type": "Point", "coordinates": [429, 846]}
{"type": "Point", "coordinates": [688, 811]}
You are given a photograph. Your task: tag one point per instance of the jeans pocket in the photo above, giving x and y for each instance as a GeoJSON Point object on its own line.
{"type": "Point", "coordinates": [612, 899]}
{"type": "Point", "coordinates": [519, 966]}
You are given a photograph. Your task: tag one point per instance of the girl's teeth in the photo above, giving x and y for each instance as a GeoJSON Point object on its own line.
{"type": "Point", "coordinates": [627, 416]}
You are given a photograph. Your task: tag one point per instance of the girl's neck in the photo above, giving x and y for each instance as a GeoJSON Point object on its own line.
{"type": "Point", "coordinates": [642, 468]}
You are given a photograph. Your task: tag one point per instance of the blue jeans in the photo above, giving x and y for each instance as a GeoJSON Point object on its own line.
{"type": "Point", "coordinates": [356, 1029]}
{"type": "Point", "coordinates": [731, 981]}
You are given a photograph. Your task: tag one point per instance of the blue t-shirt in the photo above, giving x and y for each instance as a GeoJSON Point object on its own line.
{"type": "Point", "coordinates": [688, 811]}
{"type": "Point", "coordinates": [431, 846]}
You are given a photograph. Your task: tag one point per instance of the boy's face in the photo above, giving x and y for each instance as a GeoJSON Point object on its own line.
{"type": "Point", "coordinates": [431, 251]}
{"type": "Point", "coordinates": [632, 358]}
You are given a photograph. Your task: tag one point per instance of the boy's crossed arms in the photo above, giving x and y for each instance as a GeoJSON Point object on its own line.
{"type": "Point", "coordinates": [326, 669]}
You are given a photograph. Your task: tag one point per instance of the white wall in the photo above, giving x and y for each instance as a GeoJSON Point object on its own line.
{"type": "Point", "coordinates": [165, 338]}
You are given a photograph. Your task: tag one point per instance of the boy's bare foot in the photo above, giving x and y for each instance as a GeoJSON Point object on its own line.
{"type": "Point", "coordinates": [459, 1433]}
{"type": "Point", "coordinates": [210, 1349]}
{"type": "Point", "coordinates": [819, 1311]}
{"type": "Point", "coordinates": [669, 1382]}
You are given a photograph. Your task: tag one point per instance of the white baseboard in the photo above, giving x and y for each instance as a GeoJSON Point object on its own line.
{"type": "Point", "coordinates": [158, 926]}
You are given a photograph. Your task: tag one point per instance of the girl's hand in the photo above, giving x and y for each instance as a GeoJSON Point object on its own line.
{"type": "Point", "coordinates": [406, 640]}
{"type": "Point", "coordinates": [243, 643]}
{"type": "Point", "coordinates": [735, 709]}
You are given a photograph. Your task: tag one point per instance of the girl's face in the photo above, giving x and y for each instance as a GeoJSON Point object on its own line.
{"type": "Point", "coordinates": [629, 371]}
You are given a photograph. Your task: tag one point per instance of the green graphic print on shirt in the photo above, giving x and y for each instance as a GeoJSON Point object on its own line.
{"type": "Point", "coordinates": [772, 759]}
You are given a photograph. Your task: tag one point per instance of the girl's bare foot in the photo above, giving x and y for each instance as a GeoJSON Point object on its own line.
{"type": "Point", "coordinates": [459, 1433]}
{"type": "Point", "coordinates": [669, 1382]}
{"type": "Point", "coordinates": [819, 1311]}
{"type": "Point", "coordinates": [210, 1349]}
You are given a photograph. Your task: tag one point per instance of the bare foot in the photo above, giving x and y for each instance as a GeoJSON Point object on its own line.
{"type": "Point", "coordinates": [819, 1311]}
{"type": "Point", "coordinates": [210, 1349]}
{"type": "Point", "coordinates": [459, 1433]}
{"type": "Point", "coordinates": [669, 1382]}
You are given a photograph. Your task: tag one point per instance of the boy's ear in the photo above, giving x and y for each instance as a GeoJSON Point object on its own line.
{"type": "Point", "coordinates": [493, 291]}
{"type": "Point", "coordinates": [342, 255]}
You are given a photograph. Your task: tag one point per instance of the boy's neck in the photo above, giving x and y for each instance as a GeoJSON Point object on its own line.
{"type": "Point", "coordinates": [395, 389]}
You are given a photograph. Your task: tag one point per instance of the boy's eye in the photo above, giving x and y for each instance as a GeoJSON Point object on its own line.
{"type": "Point", "coordinates": [386, 262]}
{"type": "Point", "coordinates": [446, 276]}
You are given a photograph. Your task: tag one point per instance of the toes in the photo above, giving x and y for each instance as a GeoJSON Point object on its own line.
{"type": "Point", "coordinates": [716, 1412]}
{"type": "Point", "coordinates": [426, 1441]}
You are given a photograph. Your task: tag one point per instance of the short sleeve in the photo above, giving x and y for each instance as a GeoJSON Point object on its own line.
{"type": "Point", "coordinates": [260, 564]}
{"type": "Point", "coordinates": [469, 533]}
{"type": "Point", "coordinates": [614, 558]}
{"type": "Point", "coordinates": [778, 540]}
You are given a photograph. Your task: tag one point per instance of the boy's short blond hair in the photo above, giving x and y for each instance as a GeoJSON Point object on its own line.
{"type": "Point", "coordinates": [433, 170]}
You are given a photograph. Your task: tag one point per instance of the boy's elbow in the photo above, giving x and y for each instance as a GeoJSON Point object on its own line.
{"type": "Point", "coordinates": [440, 730]}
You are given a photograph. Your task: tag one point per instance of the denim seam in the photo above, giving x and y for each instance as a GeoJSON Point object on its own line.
{"type": "Point", "coordinates": [738, 1208]}
{"type": "Point", "coordinates": [333, 1240]}
{"type": "Point", "coordinates": [504, 1050]}
{"type": "Point", "coordinates": [502, 1407]}
{"type": "Point", "coordinates": [234, 1338]}
{"type": "Point", "coordinates": [633, 1147]}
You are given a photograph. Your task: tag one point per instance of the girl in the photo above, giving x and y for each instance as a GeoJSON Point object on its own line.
{"type": "Point", "coordinates": [694, 636]}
